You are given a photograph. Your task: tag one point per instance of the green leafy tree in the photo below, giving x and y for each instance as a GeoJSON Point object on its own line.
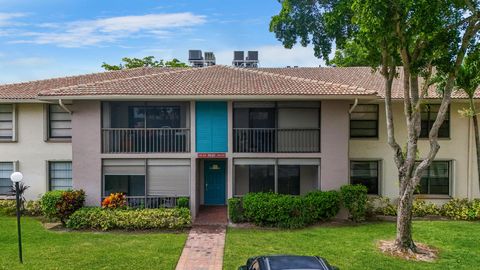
{"type": "Point", "coordinates": [148, 61]}
{"type": "Point", "coordinates": [421, 34]}
{"type": "Point", "coordinates": [468, 82]}
{"type": "Point", "coordinates": [352, 55]}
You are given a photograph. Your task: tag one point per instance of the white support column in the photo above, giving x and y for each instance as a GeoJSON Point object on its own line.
{"type": "Point", "coordinates": [194, 204]}
{"type": "Point", "coordinates": [230, 186]}
{"type": "Point", "coordinates": [193, 188]}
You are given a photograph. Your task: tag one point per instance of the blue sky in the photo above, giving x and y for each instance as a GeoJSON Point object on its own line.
{"type": "Point", "coordinates": [52, 38]}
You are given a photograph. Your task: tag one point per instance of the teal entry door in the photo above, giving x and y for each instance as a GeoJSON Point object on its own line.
{"type": "Point", "coordinates": [214, 175]}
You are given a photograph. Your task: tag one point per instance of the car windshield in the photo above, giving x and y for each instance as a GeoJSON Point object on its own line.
{"type": "Point", "coordinates": [294, 263]}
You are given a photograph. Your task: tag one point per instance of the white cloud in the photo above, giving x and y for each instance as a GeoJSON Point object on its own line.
{"type": "Point", "coordinates": [108, 30]}
{"type": "Point", "coordinates": [6, 19]}
{"type": "Point", "coordinates": [276, 56]}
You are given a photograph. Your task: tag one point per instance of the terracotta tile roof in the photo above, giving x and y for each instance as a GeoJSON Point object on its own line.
{"type": "Point", "coordinates": [362, 77]}
{"type": "Point", "coordinates": [215, 80]}
{"type": "Point", "coordinates": [30, 90]}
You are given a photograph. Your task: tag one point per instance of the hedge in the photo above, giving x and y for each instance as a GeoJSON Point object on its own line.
{"type": "Point", "coordinates": [134, 219]}
{"type": "Point", "coordinates": [59, 204]}
{"type": "Point", "coordinates": [235, 210]}
{"type": "Point", "coordinates": [30, 208]}
{"type": "Point", "coordinates": [286, 211]}
{"type": "Point", "coordinates": [354, 198]}
{"type": "Point", "coordinates": [458, 209]}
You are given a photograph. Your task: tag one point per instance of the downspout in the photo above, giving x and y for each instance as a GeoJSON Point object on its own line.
{"type": "Point", "coordinates": [60, 103]}
{"type": "Point", "coordinates": [353, 106]}
{"type": "Point", "coordinates": [355, 103]}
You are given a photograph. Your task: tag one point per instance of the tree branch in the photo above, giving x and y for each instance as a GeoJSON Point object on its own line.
{"type": "Point", "coordinates": [471, 30]}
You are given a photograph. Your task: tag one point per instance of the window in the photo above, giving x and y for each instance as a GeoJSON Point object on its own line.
{"type": "Point", "coordinates": [429, 114]}
{"type": "Point", "coordinates": [154, 117]}
{"type": "Point", "coordinates": [289, 179]}
{"type": "Point", "coordinates": [261, 178]}
{"type": "Point", "coordinates": [60, 123]}
{"type": "Point", "coordinates": [156, 177]}
{"type": "Point", "coordinates": [6, 169]}
{"type": "Point", "coordinates": [436, 179]}
{"type": "Point", "coordinates": [60, 175]}
{"type": "Point", "coordinates": [364, 121]}
{"type": "Point", "coordinates": [6, 121]}
{"type": "Point", "coordinates": [365, 173]}
{"type": "Point", "coordinates": [130, 185]}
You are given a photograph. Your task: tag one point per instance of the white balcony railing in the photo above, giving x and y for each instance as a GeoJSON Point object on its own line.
{"type": "Point", "coordinates": [145, 140]}
{"type": "Point", "coordinates": [276, 140]}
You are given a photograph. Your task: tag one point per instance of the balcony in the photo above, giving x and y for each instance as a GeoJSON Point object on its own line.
{"type": "Point", "coordinates": [145, 140]}
{"type": "Point", "coordinates": [145, 127]}
{"type": "Point", "coordinates": [276, 140]}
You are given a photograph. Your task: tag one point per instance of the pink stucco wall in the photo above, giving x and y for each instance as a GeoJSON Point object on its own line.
{"type": "Point", "coordinates": [86, 146]}
{"type": "Point", "coordinates": [334, 144]}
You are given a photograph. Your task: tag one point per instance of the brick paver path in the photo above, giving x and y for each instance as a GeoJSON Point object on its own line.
{"type": "Point", "coordinates": [206, 240]}
{"type": "Point", "coordinates": [204, 249]}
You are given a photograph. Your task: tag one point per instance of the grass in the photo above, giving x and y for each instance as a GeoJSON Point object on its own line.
{"type": "Point", "coordinates": [354, 247]}
{"type": "Point", "coordinates": [44, 249]}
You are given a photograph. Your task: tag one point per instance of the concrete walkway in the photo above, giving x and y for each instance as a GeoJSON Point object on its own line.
{"type": "Point", "coordinates": [206, 240]}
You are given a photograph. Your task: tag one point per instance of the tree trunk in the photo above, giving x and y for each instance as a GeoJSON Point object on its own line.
{"type": "Point", "coordinates": [404, 241]}
{"type": "Point", "coordinates": [477, 144]}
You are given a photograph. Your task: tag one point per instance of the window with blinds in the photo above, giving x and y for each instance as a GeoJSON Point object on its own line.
{"type": "Point", "coordinates": [429, 115]}
{"type": "Point", "coordinates": [6, 169]}
{"type": "Point", "coordinates": [6, 121]}
{"type": "Point", "coordinates": [60, 175]}
{"type": "Point", "coordinates": [435, 179]}
{"type": "Point", "coordinates": [60, 123]}
{"type": "Point", "coordinates": [364, 121]}
{"type": "Point", "coordinates": [365, 173]}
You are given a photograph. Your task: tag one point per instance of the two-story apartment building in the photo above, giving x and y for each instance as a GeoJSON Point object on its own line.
{"type": "Point", "coordinates": [212, 133]}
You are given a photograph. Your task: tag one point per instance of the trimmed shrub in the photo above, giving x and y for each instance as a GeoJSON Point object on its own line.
{"type": "Point", "coordinates": [422, 208]}
{"type": "Point", "coordinates": [354, 198]}
{"type": "Point", "coordinates": [235, 210]}
{"type": "Point", "coordinates": [323, 205]}
{"type": "Point", "coordinates": [286, 211]}
{"type": "Point", "coordinates": [114, 201]}
{"type": "Point", "coordinates": [33, 208]}
{"type": "Point", "coordinates": [462, 209]}
{"type": "Point", "coordinates": [134, 219]}
{"type": "Point", "coordinates": [183, 202]}
{"type": "Point", "coordinates": [59, 204]}
{"type": "Point", "coordinates": [8, 207]}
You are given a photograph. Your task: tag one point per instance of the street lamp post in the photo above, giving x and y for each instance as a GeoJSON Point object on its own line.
{"type": "Point", "coordinates": [16, 178]}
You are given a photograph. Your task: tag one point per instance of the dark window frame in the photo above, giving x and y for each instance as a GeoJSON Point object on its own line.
{"type": "Point", "coordinates": [264, 184]}
{"type": "Point", "coordinates": [49, 123]}
{"type": "Point", "coordinates": [7, 179]}
{"type": "Point", "coordinates": [425, 127]}
{"type": "Point", "coordinates": [429, 178]}
{"type": "Point", "coordinates": [12, 121]}
{"type": "Point", "coordinates": [378, 179]}
{"type": "Point", "coordinates": [50, 172]}
{"type": "Point", "coordinates": [358, 121]}
{"type": "Point", "coordinates": [296, 178]}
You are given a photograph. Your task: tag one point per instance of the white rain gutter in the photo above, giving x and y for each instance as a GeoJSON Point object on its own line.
{"type": "Point", "coordinates": [353, 106]}
{"type": "Point", "coordinates": [60, 103]}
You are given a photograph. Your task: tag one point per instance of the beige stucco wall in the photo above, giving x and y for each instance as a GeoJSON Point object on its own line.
{"type": "Point", "coordinates": [86, 138]}
{"type": "Point", "coordinates": [31, 151]}
{"type": "Point", "coordinates": [458, 149]}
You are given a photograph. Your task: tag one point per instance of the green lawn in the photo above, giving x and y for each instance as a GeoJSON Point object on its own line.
{"type": "Point", "coordinates": [354, 247]}
{"type": "Point", "coordinates": [86, 250]}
